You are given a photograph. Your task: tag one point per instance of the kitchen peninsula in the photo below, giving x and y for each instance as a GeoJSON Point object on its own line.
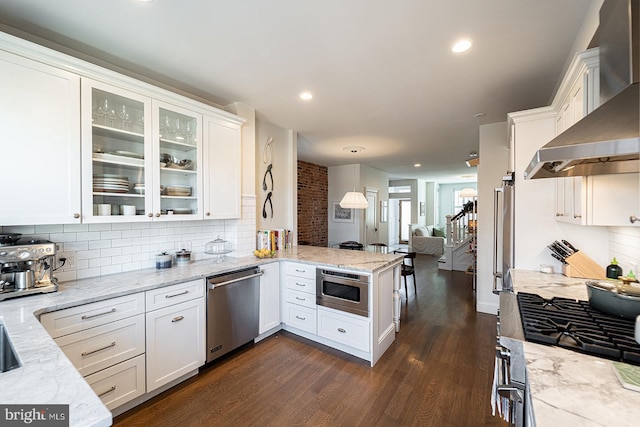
{"type": "Point", "coordinates": [47, 376]}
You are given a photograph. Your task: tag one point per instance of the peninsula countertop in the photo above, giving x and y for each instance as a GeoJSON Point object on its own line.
{"type": "Point", "coordinates": [567, 387]}
{"type": "Point", "coordinates": [48, 377]}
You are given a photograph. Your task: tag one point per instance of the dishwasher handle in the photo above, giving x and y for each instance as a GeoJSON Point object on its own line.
{"type": "Point", "coordinates": [239, 279]}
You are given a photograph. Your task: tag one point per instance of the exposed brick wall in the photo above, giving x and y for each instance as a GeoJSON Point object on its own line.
{"type": "Point", "coordinates": [313, 193]}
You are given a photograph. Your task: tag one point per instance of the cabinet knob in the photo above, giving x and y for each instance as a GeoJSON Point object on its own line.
{"type": "Point", "coordinates": [208, 214]}
{"type": "Point", "coordinates": [559, 214]}
{"type": "Point", "coordinates": [633, 219]}
{"type": "Point", "coordinates": [150, 215]}
{"type": "Point", "coordinates": [577, 216]}
{"type": "Point", "coordinates": [157, 214]}
{"type": "Point", "coordinates": [76, 215]}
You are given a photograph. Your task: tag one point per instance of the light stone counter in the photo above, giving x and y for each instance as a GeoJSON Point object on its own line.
{"type": "Point", "coordinates": [48, 377]}
{"type": "Point", "coordinates": [569, 388]}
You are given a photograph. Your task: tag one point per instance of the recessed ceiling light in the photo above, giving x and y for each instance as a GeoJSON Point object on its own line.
{"type": "Point", "coordinates": [417, 165]}
{"type": "Point", "coordinates": [306, 96]}
{"type": "Point", "coordinates": [461, 46]}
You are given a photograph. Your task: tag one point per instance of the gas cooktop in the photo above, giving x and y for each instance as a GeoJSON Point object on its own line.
{"type": "Point", "coordinates": [576, 326]}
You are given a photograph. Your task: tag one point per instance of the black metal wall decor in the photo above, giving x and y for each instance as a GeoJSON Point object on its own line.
{"type": "Point", "coordinates": [267, 159]}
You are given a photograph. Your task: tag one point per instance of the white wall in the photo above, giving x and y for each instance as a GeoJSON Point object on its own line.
{"type": "Point", "coordinates": [284, 170]}
{"type": "Point", "coordinates": [446, 193]}
{"type": "Point", "coordinates": [624, 244]}
{"type": "Point", "coordinates": [341, 180]}
{"type": "Point", "coordinates": [431, 189]}
{"type": "Point", "coordinates": [422, 198]}
{"type": "Point", "coordinates": [494, 159]}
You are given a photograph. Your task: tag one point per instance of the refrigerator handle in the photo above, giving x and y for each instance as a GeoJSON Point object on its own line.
{"type": "Point", "coordinates": [497, 275]}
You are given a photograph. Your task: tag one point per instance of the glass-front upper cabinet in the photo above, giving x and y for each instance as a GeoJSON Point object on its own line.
{"type": "Point", "coordinates": [116, 154]}
{"type": "Point", "coordinates": [178, 150]}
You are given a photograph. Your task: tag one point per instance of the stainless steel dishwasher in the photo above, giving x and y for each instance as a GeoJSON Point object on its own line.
{"type": "Point", "coordinates": [233, 304]}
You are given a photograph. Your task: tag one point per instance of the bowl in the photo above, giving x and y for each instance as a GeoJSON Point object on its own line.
{"type": "Point", "coordinates": [264, 253]}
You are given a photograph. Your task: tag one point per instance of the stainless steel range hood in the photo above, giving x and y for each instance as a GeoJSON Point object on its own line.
{"type": "Point", "coordinates": [606, 141]}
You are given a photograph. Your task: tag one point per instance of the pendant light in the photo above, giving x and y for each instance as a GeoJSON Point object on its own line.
{"type": "Point", "coordinates": [354, 199]}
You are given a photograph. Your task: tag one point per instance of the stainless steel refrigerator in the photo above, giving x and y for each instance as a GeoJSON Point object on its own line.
{"type": "Point", "coordinates": [503, 231]}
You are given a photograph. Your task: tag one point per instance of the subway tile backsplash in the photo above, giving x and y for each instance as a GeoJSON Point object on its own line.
{"type": "Point", "coordinates": [99, 249]}
{"type": "Point", "coordinates": [624, 244]}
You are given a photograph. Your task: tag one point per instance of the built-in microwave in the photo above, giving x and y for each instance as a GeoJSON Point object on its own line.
{"type": "Point", "coordinates": [343, 291]}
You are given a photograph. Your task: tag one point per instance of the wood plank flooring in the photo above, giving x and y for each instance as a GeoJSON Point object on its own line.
{"type": "Point", "coordinates": [438, 372]}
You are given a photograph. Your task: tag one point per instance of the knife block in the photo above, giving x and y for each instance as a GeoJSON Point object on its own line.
{"type": "Point", "coordinates": [580, 265]}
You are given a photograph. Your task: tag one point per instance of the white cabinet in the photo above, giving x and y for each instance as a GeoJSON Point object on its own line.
{"type": "Point", "coordinates": [175, 335]}
{"type": "Point", "coordinates": [141, 157]}
{"type": "Point", "coordinates": [269, 297]}
{"type": "Point", "coordinates": [344, 328]}
{"type": "Point", "coordinates": [223, 168]}
{"type": "Point", "coordinates": [299, 296]}
{"type": "Point", "coordinates": [120, 383]}
{"type": "Point", "coordinates": [40, 122]}
{"type": "Point", "coordinates": [105, 341]}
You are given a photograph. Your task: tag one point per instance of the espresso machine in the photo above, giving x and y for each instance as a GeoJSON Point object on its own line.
{"type": "Point", "coordinates": [26, 268]}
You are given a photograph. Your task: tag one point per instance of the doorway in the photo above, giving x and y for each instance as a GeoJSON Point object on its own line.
{"type": "Point", "coordinates": [404, 220]}
{"type": "Point", "coordinates": [371, 218]}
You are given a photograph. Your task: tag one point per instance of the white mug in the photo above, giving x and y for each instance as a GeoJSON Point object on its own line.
{"type": "Point", "coordinates": [104, 210]}
{"type": "Point", "coordinates": [127, 210]}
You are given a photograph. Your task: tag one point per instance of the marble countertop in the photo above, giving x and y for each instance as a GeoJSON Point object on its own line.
{"type": "Point", "coordinates": [567, 387]}
{"type": "Point", "coordinates": [47, 376]}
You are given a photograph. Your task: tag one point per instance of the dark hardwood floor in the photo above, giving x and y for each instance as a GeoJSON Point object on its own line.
{"type": "Point", "coordinates": [438, 372]}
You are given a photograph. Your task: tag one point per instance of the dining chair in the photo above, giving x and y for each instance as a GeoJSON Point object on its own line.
{"type": "Point", "coordinates": [408, 269]}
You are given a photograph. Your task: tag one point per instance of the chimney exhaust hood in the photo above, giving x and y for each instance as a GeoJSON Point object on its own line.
{"type": "Point", "coordinates": [606, 141]}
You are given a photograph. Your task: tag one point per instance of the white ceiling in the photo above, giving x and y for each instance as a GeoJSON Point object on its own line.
{"type": "Point", "coordinates": [381, 71]}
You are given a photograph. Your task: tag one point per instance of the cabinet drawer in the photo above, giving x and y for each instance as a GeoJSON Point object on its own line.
{"type": "Point", "coordinates": [343, 329]}
{"type": "Point", "coordinates": [300, 317]}
{"type": "Point", "coordinates": [174, 294]}
{"type": "Point", "coordinates": [300, 298]}
{"type": "Point", "coordinates": [70, 320]}
{"type": "Point", "coordinates": [119, 384]}
{"type": "Point", "coordinates": [300, 270]}
{"type": "Point", "coordinates": [301, 284]}
{"type": "Point", "coordinates": [100, 347]}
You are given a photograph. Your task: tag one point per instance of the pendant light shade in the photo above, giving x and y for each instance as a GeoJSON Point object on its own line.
{"type": "Point", "coordinates": [354, 200]}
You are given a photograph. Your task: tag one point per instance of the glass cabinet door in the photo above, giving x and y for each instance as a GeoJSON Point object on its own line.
{"type": "Point", "coordinates": [177, 149]}
{"type": "Point", "coordinates": [116, 152]}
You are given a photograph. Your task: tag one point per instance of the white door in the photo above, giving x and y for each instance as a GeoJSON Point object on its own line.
{"type": "Point", "coordinates": [405, 220]}
{"type": "Point", "coordinates": [371, 218]}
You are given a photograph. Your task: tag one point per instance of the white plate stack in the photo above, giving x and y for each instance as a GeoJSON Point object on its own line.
{"type": "Point", "coordinates": [180, 191]}
{"type": "Point", "coordinates": [108, 183]}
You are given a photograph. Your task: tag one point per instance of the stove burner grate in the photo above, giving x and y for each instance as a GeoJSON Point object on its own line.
{"type": "Point", "coordinates": [574, 325]}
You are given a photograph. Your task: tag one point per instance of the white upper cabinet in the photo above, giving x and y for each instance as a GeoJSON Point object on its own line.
{"type": "Point", "coordinates": [177, 162]}
{"type": "Point", "coordinates": [223, 170]}
{"type": "Point", "coordinates": [40, 144]}
{"type": "Point", "coordinates": [116, 154]}
{"type": "Point", "coordinates": [86, 144]}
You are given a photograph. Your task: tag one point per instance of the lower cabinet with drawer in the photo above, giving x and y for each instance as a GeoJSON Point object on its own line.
{"type": "Point", "coordinates": [301, 317]}
{"type": "Point", "coordinates": [175, 332]}
{"type": "Point", "coordinates": [299, 297]}
{"type": "Point", "coordinates": [105, 341]}
{"type": "Point", "coordinates": [345, 328]}
{"type": "Point", "coordinates": [119, 384]}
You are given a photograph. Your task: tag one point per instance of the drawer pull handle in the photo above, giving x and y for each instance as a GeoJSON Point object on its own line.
{"type": "Point", "coordinates": [301, 284]}
{"type": "Point", "coordinates": [86, 353]}
{"type": "Point", "coordinates": [301, 299]}
{"type": "Point", "coordinates": [113, 310]}
{"type": "Point", "coordinates": [176, 295]}
{"type": "Point", "coordinates": [301, 318]}
{"type": "Point", "coordinates": [113, 388]}
{"type": "Point", "coordinates": [177, 319]}
{"type": "Point", "coordinates": [300, 271]}
{"type": "Point", "coordinates": [342, 331]}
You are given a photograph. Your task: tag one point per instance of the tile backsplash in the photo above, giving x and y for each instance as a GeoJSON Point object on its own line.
{"type": "Point", "coordinates": [624, 244]}
{"type": "Point", "coordinates": [100, 249]}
